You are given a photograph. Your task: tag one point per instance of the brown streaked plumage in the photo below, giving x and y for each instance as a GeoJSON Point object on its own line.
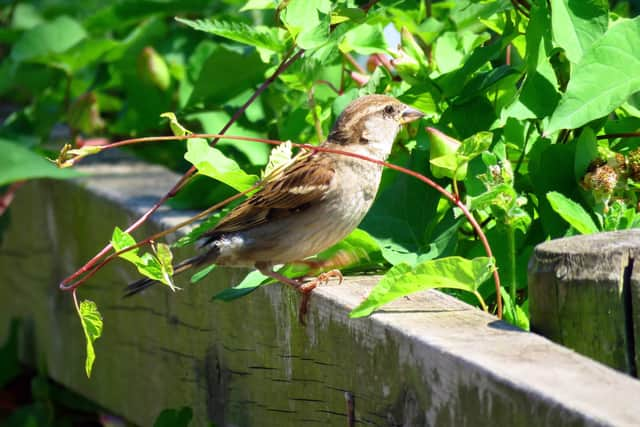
{"type": "Point", "coordinates": [312, 203]}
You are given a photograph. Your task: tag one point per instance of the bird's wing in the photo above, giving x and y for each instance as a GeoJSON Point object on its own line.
{"type": "Point", "coordinates": [295, 188]}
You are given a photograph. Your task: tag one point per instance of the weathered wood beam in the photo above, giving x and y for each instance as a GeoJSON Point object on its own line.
{"type": "Point", "coordinates": [425, 360]}
{"type": "Point", "coordinates": [585, 294]}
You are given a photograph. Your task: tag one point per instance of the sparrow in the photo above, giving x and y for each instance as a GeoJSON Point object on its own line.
{"type": "Point", "coordinates": [310, 204]}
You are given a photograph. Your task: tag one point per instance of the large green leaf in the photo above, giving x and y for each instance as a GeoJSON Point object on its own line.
{"type": "Point", "coordinates": [402, 279]}
{"type": "Point", "coordinates": [17, 163]}
{"type": "Point", "coordinates": [604, 78]}
{"type": "Point", "coordinates": [211, 162]}
{"type": "Point", "coordinates": [54, 36]}
{"type": "Point", "coordinates": [258, 36]}
{"type": "Point", "coordinates": [577, 24]}
{"type": "Point", "coordinates": [225, 74]}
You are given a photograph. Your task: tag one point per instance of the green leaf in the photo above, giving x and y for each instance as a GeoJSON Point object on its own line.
{"type": "Point", "coordinates": [211, 162]}
{"type": "Point", "coordinates": [213, 121]}
{"type": "Point", "coordinates": [308, 21]}
{"type": "Point", "coordinates": [513, 313]}
{"type": "Point", "coordinates": [444, 156]}
{"type": "Point", "coordinates": [538, 95]}
{"type": "Point", "coordinates": [402, 280]}
{"type": "Point", "coordinates": [364, 39]}
{"type": "Point", "coordinates": [578, 24]}
{"type": "Point", "coordinates": [18, 163]}
{"type": "Point", "coordinates": [572, 212]}
{"type": "Point", "coordinates": [157, 267]}
{"type": "Point", "coordinates": [405, 210]}
{"type": "Point", "coordinates": [249, 284]}
{"type": "Point", "coordinates": [476, 144]}
{"type": "Point", "coordinates": [347, 14]}
{"type": "Point", "coordinates": [54, 36]}
{"type": "Point", "coordinates": [165, 257]}
{"type": "Point", "coordinates": [226, 74]}
{"type": "Point", "coordinates": [604, 78]}
{"type": "Point", "coordinates": [81, 55]}
{"type": "Point", "coordinates": [92, 326]}
{"type": "Point", "coordinates": [121, 240]}
{"type": "Point", "coordinates": [201, 274]}
{"type": "Point", "coordinates": [487, 198]}
{"type": "Point", "coordinates": [258, 36]}
{"type": "Point", "coordinates": [175, 125]}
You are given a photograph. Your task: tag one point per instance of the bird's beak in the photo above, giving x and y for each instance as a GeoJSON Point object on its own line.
{"type": "Point", "coordinates": [410, 114]}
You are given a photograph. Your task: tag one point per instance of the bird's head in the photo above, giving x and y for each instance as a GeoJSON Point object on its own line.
{"type": "Point", "coordinates": [371, 123]}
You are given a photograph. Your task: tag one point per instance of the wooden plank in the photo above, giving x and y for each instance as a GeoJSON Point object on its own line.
{"type": "Point", "coordinates": [427, 360]}
{"type": "Point", "coordinates": [579, 298]}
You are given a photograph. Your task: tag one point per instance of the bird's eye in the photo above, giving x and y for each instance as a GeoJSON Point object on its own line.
{"type": "Point", "coordinates": [388, 110]}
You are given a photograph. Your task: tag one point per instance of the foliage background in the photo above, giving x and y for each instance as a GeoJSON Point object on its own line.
{"type": "Point", "coordinates": [551, 86]}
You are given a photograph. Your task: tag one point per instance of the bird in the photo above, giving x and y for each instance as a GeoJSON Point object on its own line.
{"type": "Point", "coordinates": [309, 205]}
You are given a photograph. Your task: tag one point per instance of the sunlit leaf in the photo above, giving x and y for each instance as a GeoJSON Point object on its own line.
{"type": "Point", "coordinates": [578, 24]}
{"type": "Point", "coordinates": [258, 36]}
{"type": "Point", "coordinates": [211, 162]}
{"type": "Point", "coordinates": [402, 279]}
{"type": "Point", "coordinates": [364, 39]}
{"type": "Point", "coordinates": [603, 79]}
{"type": "Point", "coordinates": [92, 326]}
{"type": "Point", "coordinates": [572, 212]}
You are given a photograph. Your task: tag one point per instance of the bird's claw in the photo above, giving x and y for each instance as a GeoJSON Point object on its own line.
{"type": "Point", "coordinates": [306, 288]}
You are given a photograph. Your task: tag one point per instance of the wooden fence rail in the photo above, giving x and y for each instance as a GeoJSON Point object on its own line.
{"type": "Point", "coordinates": [427, 360]}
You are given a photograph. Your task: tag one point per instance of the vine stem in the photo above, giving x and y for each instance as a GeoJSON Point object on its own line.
{"type": "Point", "coordinates": [453, 198]}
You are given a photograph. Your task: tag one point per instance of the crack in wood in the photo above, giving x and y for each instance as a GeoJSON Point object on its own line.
{"type": "Point", "coordinates": [627, 298]}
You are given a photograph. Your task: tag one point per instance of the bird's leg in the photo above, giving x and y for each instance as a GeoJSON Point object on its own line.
{"type": "Point", "coordinates": [304, 288]}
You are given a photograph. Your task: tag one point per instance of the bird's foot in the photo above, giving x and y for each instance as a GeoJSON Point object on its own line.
{"type": "Point", "coordinates": [306, 288]}
{"type": "Point", "coordinates": [322, 279]}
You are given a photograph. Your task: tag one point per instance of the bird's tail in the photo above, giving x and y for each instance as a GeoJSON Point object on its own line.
{"type": "Point", "coordinates": [142, 284]}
